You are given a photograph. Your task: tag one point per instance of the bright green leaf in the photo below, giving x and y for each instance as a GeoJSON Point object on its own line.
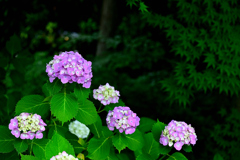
{"type": "Point", "coordinates": [134, 141]}
{"type": "Point", "coordinates": [144, 157]}
{"type": "Point", "coordinates": [81, 93]}
{"type": "Point", "coordinates": [146, 124]}
{"type": "Point", "coordinates": [64, 106]}
{"type": "Point", "coordinates": [151, 147]}
{"type": "Point", "coordinates": [177, 156]}
{"type": "Point", "coordinates": [96, 127]}
{"type": "Point", "coordinates": [119, 141]}
{"type": "Point", "coordinates": [54, 87]}
{"type": "Point", "coordinates": [39, 147]}
{"type": "Point", "coordinates": [28, 157]}
{"type": "Point", "coordinates": [20, 145]}
{"type": "Point", "coordinates": [157, 130]}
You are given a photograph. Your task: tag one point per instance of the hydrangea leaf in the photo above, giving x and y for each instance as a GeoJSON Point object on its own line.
{"type": "Point", "coordinates": [81, 93]}
{"type": "Point", "coordinates": [151, 147]}
{"type": "Point", "coordinates": [57, 145]}
{"type": "Point", "coordinates": [10, 156]}
{"type": "Point", "coordinates": [59, 129]}
{"type": "Point", "coordinates": [45, 90]}
{"type": "Point", "coordinates": [96, 127]}
{"type": "Point", "coordinates": [28, 157]}
{"type": "Point", "coordinates": [119, 141]}
{"type": "Point", "coordinates": [64, 106]}
{"type": "Point", "coordinates": [217, 156]}
{"type": "Point", "coordinates": [54, 87]}
{"type": "Point", "coordinates": [20, 145]}
{"type": "Point", "coordinates": [39, 147]}
{"type": "Point", "coordinates": [106, 132]}
{"type": "Point", "coordinates": [33, 104]}
{"type": "Point", "coordinates": [146, 124]}
{"type": "Point", "coordinates": [178, 156]}
{"type": "Point", "coordinates": [6, 140]}
{"type": "Point", "coordinates": [123, 156]}
{"type": "Point", "coordinates": [87, 113]}
{"type": "Point", "coordinates": [14, 44]}
{"type": "Point", "coordinates": [187, 148]}
{"type": "Point", "coordinates": [112, 155]}
{"type": "Point", "coordinates": [99, 148]}
{"type": "Point", "coordinates": [111, 106]}
{"type": "Point", "coordinates": [144, 157]}
{"type": "Point", "coordinates": [157, 129]}
{"type": "Point", "coordinates": [134, 141]}
{"type": "Point", "coordinates": [164, 149]}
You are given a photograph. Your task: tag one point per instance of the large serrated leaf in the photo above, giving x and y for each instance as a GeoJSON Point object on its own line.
{"type": "Point", "coordinates": [6, 140]}
{"type": "Point", "coordinates": [146, 124]}
{"type": "Point", "coordinates": [119, 141]}
{"type": "Point", "coordinates": [39, 147]}
{"type": "Point", "coordinates": [57, 145]}
{"type": "Point", "coordinates": [81, 93]}
{"type": "Point", "coordinates": [64, 106]}
{"type": "Point", "coordinates": [86, 113]}
{"type": "Point", "coordinates": [157, 130]}
{"type": "Point", "coordinates": [14, 44]}
{"type": "Point", "coordinates": [28, 157]}
{"type": "Point", "coordinates": [54, 87]}
{"type": "Point", "coordinates": [99, 148]}
{"type": "Point", "coordinates": [144, 157]}
{"type": "Point", "coordinates": [134, 141]}
{"type": "Point", "coordinates": [96, 127]}
{"type": "Point", "coordinates": [32, 104]}
{"type": "Point", "coordinates": [151, 147]}
{"type": "Point", "coordinates": [177, 156]}
{"type": "Point", "coordinates": [20, 145]}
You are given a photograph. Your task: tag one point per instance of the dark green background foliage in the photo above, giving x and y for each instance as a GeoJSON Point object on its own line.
{"type": "Point", "coordinates": [175, 60]}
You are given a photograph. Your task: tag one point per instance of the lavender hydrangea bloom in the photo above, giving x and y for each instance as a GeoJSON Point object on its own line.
{"type": "Point", "coordinates": [123, 119]}
{"type": "Point", "coordinates": [27, 126]}
{"type": "Point", "coordinates": [178, 132]}
{"type": "Point", "coordinates": [63, 156]}
{"type": "Point", "coordinates": [106, 94]}
{"type": "Point", "coordinates": [70, 67]}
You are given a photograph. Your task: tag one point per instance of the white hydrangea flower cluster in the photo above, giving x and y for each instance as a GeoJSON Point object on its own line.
{"type": "Point", "coordinates": [79, 129]}
{"type": "Point", "coordinates": [63, 156]}
{"type": "Point", "coordinates": [178, 132]}
{"type": "Point", "coordinates": [106, 94]}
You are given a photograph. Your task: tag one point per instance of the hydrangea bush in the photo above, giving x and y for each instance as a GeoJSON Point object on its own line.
{"type": "Point", "coordinates": [86, 135]}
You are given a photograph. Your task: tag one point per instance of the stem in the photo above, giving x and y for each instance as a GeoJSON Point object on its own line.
{"type": "Point", "coordinates": [162, 157]}
{"type": "Point", "coordinates": [100, 107]}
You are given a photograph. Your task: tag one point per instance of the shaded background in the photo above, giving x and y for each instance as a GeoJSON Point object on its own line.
{"type": "Point", "coordinates": [175, 60]}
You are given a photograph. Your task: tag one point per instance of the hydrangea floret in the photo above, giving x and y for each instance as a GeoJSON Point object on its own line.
{"type": "Point", "coordinates": [70, 67]}
{"type": "Point", "coordinates": [123, 119]}
{"type": "Point", "coordinates": [178, 133]}
{"type": "Point", "coordinates": [63, 156]}
{"type": "Point", "coordinates": [27, 126]}
{"type": "Point", "coordinates": [79, 129]}
{"type": "Point", "coordinates": [106, 94]}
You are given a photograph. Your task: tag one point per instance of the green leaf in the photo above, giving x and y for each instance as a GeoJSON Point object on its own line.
{"type": "Point", "coordinates": [20, 145]}
{"type": "Point", "coordinates": [33, 104]}
{"type": "Point", "coordinates": [157, 130]}
{"type": "Point", "coordinates": [14, 44]}
{"type": "Point", "coordinates": [151, 147]}
{"type": "Point", "coordinates": [57, 145]}
{"type": "Point", "coordinates": [111, 106]}
{"type": "Point", "coordinates": [61, 130]}
{"type": "Point", "coordinates": [64, 106]}
{"type": "Point", "coordinates": [217, 156]}
{"type": "Point", "coordinates": [144, 157]}
{"type": "Point", "coordinates": [6, 140]}
{"type": "Point", "coordinates": [99, 148]}
{"type": "Point", "coordinates": [119, 141]}
{"type": "Point", "coordinates": [28, 157]}
{"type": "Point", "coordinates": [45, 90]}
{"type": "Point", "coordinates": [134, 141]}
{"type": "Point", "coordinates": [87, 113]}
{"type": "Point", "coordinates": [164, 149]}
{"type": "Point", "coordinates": [146, 124]}
{"type": "Point", "coordinates": [96, 127]}
{"type": "Point", "coordinates": [39, 147]}
{"type": "Point", "coordinates": [143, 7]}
{"type": "Point", "coordinates": [81, 93]}
{"type": "Point", "coordinates": [106, 132]}
{"type": "Point", "coordinates": [112, 155]}
{"type": "Point", "coordinates": [187, 148]}
{"type": "Point", "coordinates": [54, 87]}
{"type": "Point", "coordinates": [10, 156]}
{"type": "Point", "coordinates": [123, 156]}
{"type": "Point", "coordinates": [177, 156]}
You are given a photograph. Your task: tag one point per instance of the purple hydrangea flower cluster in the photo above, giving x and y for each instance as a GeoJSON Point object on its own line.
{"type": "Point", "coordinates": [123, 119]}
{"type": "Point", "coordinates": [31, 126]}
{"type": "Point", "coordinates": [70, 67]}
{"type": "Point", "coordinates": [178, 132]}
{"type": "Point", "coordinates": [63, 156]}
{"type": "Point", "coordinates": [106, 94]}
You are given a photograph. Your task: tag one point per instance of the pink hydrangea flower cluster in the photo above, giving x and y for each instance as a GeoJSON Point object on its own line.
{"type": "Point", "coordinates": [70, 67]}
{"type": "Point", "coordinates": [27, 126]}
{"type": "Point", "coordinates": [123, 119]}
{"type": "Point", "coordinates": [63, 156]}
{"type": "Point", "coordinates": [178, 132]}
{"type": "Point", "coordinates": [106, 94]}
